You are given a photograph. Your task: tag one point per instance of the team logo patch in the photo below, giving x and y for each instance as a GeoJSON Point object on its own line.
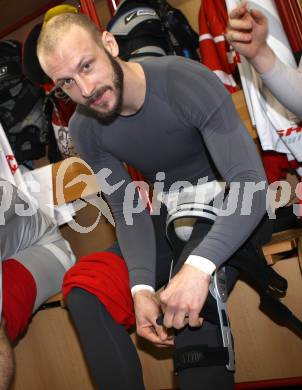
{"type": "Point", "coordinates": [140, 12]}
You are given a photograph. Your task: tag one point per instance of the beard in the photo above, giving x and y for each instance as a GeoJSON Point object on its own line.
{"type": "Point", "coordinates": [107, 117]}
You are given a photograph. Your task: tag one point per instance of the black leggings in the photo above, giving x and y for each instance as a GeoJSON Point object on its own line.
{"type": "Point", "coordinates": [109, 351]}
{"type": "Point", "coordinates": [112, 357]}
{"type": "Point", "coordinates": [108, 348]}
{"type": "Point", "coordinates": [212, 377]}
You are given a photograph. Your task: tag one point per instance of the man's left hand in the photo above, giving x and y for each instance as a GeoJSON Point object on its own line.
{"type": "Point", "coordinates": [147, 309]}
{"type": "Point", "coordinates": [184, 297]}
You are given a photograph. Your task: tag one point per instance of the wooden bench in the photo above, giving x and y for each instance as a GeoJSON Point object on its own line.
{"type": "Point", "coordinates": [282, 242]}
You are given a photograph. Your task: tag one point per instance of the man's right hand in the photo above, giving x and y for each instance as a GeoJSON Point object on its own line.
{"type": "Point", "coordinates": [147, 309]}
{"type": "Point", "coordinates": [247, 32]}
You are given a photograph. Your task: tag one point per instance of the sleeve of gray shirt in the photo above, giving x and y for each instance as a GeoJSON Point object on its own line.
{"type": "Point", "coordinates": [135, 232]}
{"type": "Point", "coordinates": [285, 83]}
{"type": "Point", "coordinates": [202, 101]}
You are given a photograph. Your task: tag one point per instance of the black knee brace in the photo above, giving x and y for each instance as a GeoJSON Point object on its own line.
{"type": "Point", "coordinates": [214, 311]}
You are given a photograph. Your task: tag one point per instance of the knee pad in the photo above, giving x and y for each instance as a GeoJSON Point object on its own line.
{"type": "Point", "coordinates": [19, 295]}
{"type": "Point", "coordinates": [105, 275]}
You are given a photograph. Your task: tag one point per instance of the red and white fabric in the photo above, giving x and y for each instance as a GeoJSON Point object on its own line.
{"type": "Point", "coordinates": [9, 168]}
{"type": "Point", "coordinates": [19, 296]}
{"type": "Point", "coordinates": [215, 51]}
{"type": "Point", "coordinates": [10, 171]}
{"type": "Point", "coordinates": [60, 118]}
{"type": "Point", "coordinates": [271, 119]}
{"type": "Point", "coordinates": [291, 16]}
{"type": "Point", "coordinates": [63, 108]}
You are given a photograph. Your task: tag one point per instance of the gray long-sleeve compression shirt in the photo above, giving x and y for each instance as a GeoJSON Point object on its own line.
{"type": "Point", "coordinates": [187, 115]}
{"type": "Point", "coordinates": [285, 84]}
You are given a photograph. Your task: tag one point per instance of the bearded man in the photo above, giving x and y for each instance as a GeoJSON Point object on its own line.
{"type": "Point", "coordinates": [173, 120]}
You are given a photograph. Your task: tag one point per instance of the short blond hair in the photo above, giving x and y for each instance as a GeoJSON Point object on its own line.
{"type": "Point", "coordinates": [53, 31]}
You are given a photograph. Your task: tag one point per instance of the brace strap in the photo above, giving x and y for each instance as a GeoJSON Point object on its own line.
{"type": "Point", "coordinates": [200, 356]}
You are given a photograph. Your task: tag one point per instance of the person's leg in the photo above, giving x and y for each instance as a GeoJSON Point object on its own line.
{"type": "Point", "coordinates": [108, 348]}
{"type": "Point", "coordinates": [6, 359]}
{"type": "Point", "coordinates": [208, 377]}
{"type": "Point", "coordinates": [110, 353]}
{"type": "Point", "coordinates": [21, 232]}
{"type": "Point", "coordinates": [47, 265]}
{"type": "Point", "coordinates": [99, 301]}
{"type": "Point", "coordinates": [28, 279]}
{"type": "Point", "coordinates": [213, 376]}
{"type": "Point", "coordinates": [19, 292]}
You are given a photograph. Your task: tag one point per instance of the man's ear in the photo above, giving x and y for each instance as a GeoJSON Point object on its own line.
{"type": "Point", "coordinates": [110, 44]}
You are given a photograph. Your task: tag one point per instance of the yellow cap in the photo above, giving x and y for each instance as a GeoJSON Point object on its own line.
{"type": "Point", "coordinates": [59, 9]}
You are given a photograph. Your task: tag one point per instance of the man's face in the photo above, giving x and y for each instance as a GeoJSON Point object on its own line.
{"type": "Point", "coordinates": [87, 73]}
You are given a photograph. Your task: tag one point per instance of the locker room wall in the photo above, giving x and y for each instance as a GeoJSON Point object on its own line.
{"type": "Point", "coordinates": [189, 7]}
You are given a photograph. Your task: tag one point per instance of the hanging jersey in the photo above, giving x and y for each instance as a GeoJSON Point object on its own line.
{"type": "Point", "coordinates": [215, 51]}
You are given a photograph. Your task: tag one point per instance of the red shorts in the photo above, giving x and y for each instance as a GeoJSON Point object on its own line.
{"type": "Point", "coordinates": [19, 293]}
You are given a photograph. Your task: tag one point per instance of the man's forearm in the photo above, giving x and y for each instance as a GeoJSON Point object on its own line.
{"type": "Point", "coordinates": [264, 60]}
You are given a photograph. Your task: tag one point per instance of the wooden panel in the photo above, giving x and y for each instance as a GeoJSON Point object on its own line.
{"type": "Point", "coordinates": [12, 12]}
{"type": "Point", "coordinates": [282, 241]}
{"type": "Point", "coordinates": [265, 350]}
{"type": "Point", "coordinates": [30, 7]}
{"type": "Point", "coordinates": [64, 172]}
{"type": "Point", "coordinates": [49, 357]}
{"type": "Point", "coordinates": [103, 12]}
{"type": "Point", "coordinates": [84, 243]}
{"type": "Point", "coordinates": [190, 9]}
{"type": "Point", "coordinates": [240, 104]}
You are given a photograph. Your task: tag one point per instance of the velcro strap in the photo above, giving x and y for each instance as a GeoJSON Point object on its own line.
{"type": "Point", "coordinates": [200, 356]}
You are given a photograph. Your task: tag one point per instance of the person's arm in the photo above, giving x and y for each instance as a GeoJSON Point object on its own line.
{"type": "Point", "coordinates": [285, 83]}
{"type": "Point", "coordinates": [201, 100]}
{"type": "Point", "coordinates": [247, 33]}
{"type": "Point", "coordinates": [134, 231]}
{"type": "Point", "coordinates": [136, 239]}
